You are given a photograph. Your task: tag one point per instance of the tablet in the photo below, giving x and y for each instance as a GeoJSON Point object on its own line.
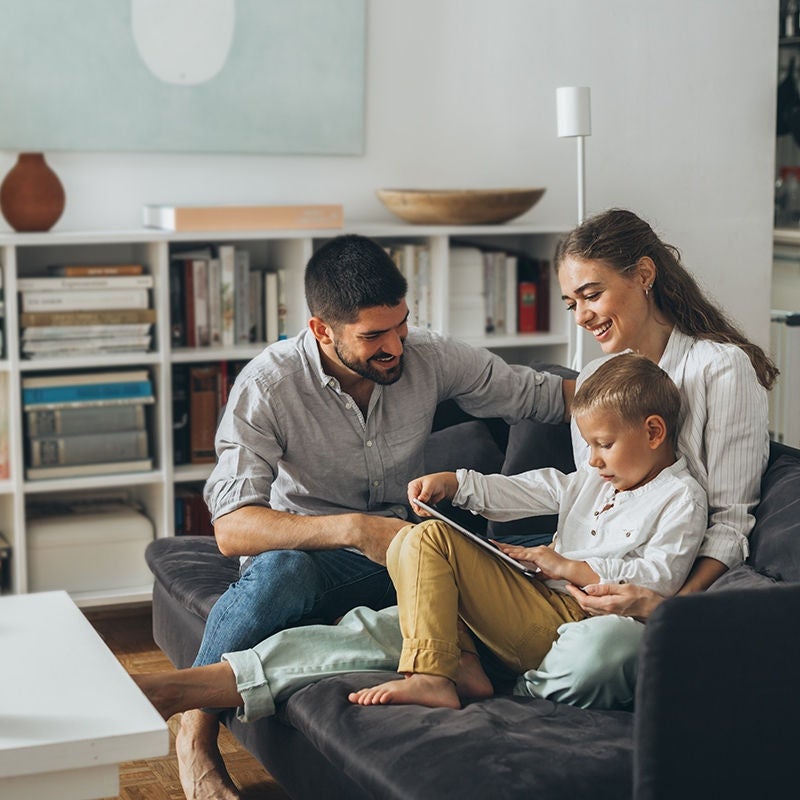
{"type": "Point", "coordinates": [481, 541]}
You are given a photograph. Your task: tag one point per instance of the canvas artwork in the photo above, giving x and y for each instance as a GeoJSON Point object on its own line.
{"type": "Point", "coordinates": [235, 76]}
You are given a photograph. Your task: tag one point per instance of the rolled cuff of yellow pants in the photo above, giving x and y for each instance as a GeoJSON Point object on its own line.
{"type": "Point", "coordinates": [430, 657]}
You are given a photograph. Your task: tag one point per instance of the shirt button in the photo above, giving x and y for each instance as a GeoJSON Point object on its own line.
{"type": "Point", "coordinates": [376, 483]}
{"type": "Point", "coordinates": [594, 533]}
{"type": "Point", "coordinates": [348, 406]}
{"type": "Point", "coordinates": [369, 442]}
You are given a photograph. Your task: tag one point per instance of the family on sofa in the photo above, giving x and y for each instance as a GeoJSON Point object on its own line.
{"type": "Point", "coordinates": [322, 435]}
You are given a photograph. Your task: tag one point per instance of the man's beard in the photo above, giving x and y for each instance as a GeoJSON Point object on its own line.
{"type": "Point", "coordinates": [366, 370]}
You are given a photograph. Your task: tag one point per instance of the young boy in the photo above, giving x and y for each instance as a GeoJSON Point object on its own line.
{"type": "Point", "coordinates": [633, 513]}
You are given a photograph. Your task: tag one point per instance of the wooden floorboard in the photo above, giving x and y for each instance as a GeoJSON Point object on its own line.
{"type": "Point", "coordinates": [128, 633]}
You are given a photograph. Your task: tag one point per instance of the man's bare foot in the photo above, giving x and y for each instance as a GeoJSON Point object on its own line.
{"type": "Point", "coordinates": [472, 682]}
{"type": "Point", "coordinates": [202, 771]}
{"type": "Point", "coordinates": [418, 689]}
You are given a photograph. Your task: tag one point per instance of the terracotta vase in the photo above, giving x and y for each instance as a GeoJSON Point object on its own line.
{"type": "Point", "coordinates": [31, 195]}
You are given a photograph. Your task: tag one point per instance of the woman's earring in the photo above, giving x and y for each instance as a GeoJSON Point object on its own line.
{"type": "Point", "coordinates": [647, 289]}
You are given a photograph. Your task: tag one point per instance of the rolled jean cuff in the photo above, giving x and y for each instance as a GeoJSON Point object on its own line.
{"type": "Point", "coordinates": [251, 684]}
{"type": "Point", "coordinates": [431, 657]}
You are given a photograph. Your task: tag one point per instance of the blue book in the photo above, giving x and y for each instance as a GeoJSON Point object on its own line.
{"type": "Point", "coordinates": [87, 393]}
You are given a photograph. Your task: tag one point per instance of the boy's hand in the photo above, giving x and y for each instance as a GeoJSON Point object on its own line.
{"type": "Point", "coordinates": [542, 559]}
{"type": "Point", "coordinates": [431, 489]}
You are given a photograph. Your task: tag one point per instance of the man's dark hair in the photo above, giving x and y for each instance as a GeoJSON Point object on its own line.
{"type": "Point", "coordinates": [349, 273]}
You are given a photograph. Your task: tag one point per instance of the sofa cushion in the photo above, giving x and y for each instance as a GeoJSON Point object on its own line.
{"type": "Point", "coordinates": [192, 570]}
{"type": "Point", "coordinates": [509, 747]}
{"type": "Point", "coordinates": [742, 576]}
{"type": "Point", "coordinates": [775, 539]}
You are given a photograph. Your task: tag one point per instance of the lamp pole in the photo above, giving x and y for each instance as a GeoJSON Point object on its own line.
{"type": "Point", "coordinates": [573, 111]}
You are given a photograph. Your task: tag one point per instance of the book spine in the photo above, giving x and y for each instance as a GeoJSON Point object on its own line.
{"type": "Point", "coordinates": [85, 283]}
{"type": "Point", "coordinates": [512, 294]}
{"type": "Point", "coordinates": [282, 307]}
{"type": "Point", "coordinates": [214, 302]}
{"type": "Point", "coordinates": [527, 307]}
{"type": "Point", "coordinates": [241, 301]}
{"type": "Point", "coordinates": [86, 392]}
{"type": "Point", "coordinates": [227, 258]}
{"type": "Point", "coordinates": [256, 309]}
{"type": "Point", "coordinates": [91, 270]}
{"type": "Point", "coordinates": [88, 300]}
{"type": "Point", "coordinates": [200, 302]}
{"type": "Point", "coordinates": [203, 394]}
{"type": "Point", "coordinates": [80, 470]}
{"type": "Point", "coordinates": [5, 470]}
{"type": "Point", "coordinates": [180, 414]}
{"type": "Point", "coordinates": [86, 419]}
{"type": "Point", "coordinates": [50, 451]}
{"type": "Point", "coordinates": [177, 320]}
{"type": "Point", "coordinates": [271, 307]}
{"type": "Point", "coordinates": [119, 316]}
{"type": "Point", "coordinates": [543, 296]}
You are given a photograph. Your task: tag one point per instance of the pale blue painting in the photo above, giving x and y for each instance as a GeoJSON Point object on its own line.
{"type": "Point", "coordinates": [235, 76]}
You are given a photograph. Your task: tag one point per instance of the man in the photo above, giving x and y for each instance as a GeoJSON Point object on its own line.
{"type": "Point", "coordinates": [320, 437]}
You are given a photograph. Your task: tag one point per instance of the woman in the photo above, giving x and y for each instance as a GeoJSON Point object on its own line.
{"type": "Point", "coordinates": [630, 291]}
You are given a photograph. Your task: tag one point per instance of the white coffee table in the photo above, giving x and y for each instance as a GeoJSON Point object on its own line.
{"type": "Point", "coordinates": [69, 713]}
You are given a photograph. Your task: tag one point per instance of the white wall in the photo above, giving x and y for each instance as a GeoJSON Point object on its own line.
{"type": "Point", "coordinates": [461, 93]}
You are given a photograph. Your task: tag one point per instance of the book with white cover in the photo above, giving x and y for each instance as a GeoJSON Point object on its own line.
{"type": "Point", "coordinates": [85, 300]}
{"type": "Point", "coordinates": [271, 307]}
{"type": "Point", "coordinates": [60, 284]}
{"type": "Point", "coordinates": [87, 448]}
{"type": "Point", "coordinates": [227, 259]}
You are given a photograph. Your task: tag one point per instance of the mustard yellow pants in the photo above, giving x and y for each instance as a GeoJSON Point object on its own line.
{"type": "Point", "coordinates": [441, 577]}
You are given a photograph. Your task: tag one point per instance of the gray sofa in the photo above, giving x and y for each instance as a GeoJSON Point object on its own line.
{"type": "Point", "coordinates": [717, 696]}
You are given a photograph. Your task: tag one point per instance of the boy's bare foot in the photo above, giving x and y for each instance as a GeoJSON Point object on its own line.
{"type": "Point", "coordinates": [418, 689]}
{"type": "Point", "coordinates": [472, 682]}
{"type": "Point", "coordinates": [202, 771]}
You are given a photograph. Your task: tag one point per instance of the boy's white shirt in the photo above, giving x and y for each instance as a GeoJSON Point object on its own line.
{"type": "Point", "coordinates": [650, 536]}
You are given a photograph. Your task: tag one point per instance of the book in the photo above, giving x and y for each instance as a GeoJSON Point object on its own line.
{"type": "Point", "coordinates": [87, 448]}
{"type": "Point", "coordinates": [85, 300]}
{"type": "Point", "coordinates": [282, 307]}
{"type": "Point", "coordinates": [180, 414]}
{"type": "Point", "coordinates": [120, 344]}
{"type": "Point", "coordinates": [5, 565]}
{"type": "Point", "coordinates": [60, 284]}
{"type": "Point", "coordinates": [85, 419]}
{"type": "Point", "coordinates": [511, 293]}
{"type": "Point", "coordinates": [256, 311]}
{"type": "Point", "coordinates": [241, 297]}
{"type": "Point", "coordinates": [242, 218]}
{"type": "Point", "coordinates": [198, 299]}
{"type": "Point", "coordinates": [271, 307]}
{"type": "Point", "coordinates": [203, 409]}
{"type": "Point", "coordinates": [79, 270]}
{"type": "Point", "coordinates": [82, 470]}
{"type": "Point", "coordinates": [5, 469]}
{"type": "Point", "coordinates": [86, 388]}
{"type": "Point", "coordinates": [119, 316]}
{"type": "Point", "coordinates": [48, 332]}
{"type": "Point", "coordinates": [214, 302]}
{"type": "Point", "coordinates": [227, 258]}
{"type": "Point", "coordinates": [527, 306]}
{"type": "Point", "coordinates": [192, 517]}
{"type": "Point", "coordinates": [177, 314]}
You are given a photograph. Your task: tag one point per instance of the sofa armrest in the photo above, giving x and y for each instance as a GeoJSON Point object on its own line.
{"type": "Point", "coordinates": [717, 698]}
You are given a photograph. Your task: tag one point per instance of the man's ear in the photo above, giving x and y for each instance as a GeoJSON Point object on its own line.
{"type": "Point", "coordinates": [321, 330]}
{"type": "Point", "coordinates": [656, 430]}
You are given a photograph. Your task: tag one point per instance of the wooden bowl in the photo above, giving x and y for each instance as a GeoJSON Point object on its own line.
{"type": "Point", "coordinates": [459, 206]}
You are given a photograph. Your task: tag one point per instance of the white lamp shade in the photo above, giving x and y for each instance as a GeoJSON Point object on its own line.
{"type": "Point", "coordinates": [573, 107]}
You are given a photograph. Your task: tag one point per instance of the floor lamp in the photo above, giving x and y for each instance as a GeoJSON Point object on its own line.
{"type": "Point", "coordinates": [573, 109]}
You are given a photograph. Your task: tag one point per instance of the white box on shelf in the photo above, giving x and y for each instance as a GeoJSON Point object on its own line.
{"type": "Point", "coordinates": [85, 551]}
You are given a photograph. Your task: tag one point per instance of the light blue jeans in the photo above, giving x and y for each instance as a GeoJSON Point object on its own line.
{"type": "Point", "coordinates": [593, 663]}
{"type": "Point", "coordinates": [282, 588]}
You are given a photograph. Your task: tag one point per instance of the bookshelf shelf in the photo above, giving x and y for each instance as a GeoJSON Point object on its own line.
{"type": "Point", "coordinates": [29, 255]}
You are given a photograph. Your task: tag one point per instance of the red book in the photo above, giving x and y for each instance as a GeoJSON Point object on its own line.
{"type": "Point", "coordinates": [527, 307]}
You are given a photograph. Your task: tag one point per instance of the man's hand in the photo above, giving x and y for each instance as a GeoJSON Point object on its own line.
{"type": "Point", "coordinates": [372, 534]}
{"type": "Point", "coordinates": [625, 599]}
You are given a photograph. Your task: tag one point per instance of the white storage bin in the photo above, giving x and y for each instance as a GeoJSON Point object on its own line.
{"type": "Point", "coordinates": [89, 551]}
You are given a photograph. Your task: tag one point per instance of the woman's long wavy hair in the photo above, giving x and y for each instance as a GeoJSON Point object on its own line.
{"type": "Point", "coordinates": [620, 239]}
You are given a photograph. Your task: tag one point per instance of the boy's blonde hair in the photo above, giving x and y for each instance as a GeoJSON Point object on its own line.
{"type": "Point", "coordinates": [632, 387]}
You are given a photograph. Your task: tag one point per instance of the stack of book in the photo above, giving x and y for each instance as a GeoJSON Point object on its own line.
{"type": "Point", "coordinates": [218, 299]}
{"type": "Point", "coordinates": [87, 423]}
{"type": "Point", "coordinates": [86, 310]}
{"type": "Point", "coordinates": [497, 292]}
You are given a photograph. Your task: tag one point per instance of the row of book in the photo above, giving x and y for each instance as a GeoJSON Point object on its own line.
{"type": "Point", "coordinates": [87, 423]}
{"type": "Point", "coordinates": [414, 261]}
{"type": "Point", "coordinates": [497, 292]}
{"type": "Point", "coordinates": [218, 299]}
{"type": "Point", "coordinates": [86, 309]}
{"type": "Point", "coordinates": [199, 393]}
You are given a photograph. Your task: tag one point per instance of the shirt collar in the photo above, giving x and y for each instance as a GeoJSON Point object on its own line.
{"type": "Point", "coordinates": [311, 349]}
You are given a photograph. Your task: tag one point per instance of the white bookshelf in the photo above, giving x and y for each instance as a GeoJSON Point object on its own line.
{"type": "Point", "coordinates": [27, 255]}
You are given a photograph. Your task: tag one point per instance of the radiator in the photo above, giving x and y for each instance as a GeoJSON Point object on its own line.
{"type": "Point", "coordinates": [784, 399]}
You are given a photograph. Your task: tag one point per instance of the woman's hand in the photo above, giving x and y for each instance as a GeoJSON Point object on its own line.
{"type": "Point", "coordinates": [625, 599]}
{"type": "Point", "coordinates": [431, 489]}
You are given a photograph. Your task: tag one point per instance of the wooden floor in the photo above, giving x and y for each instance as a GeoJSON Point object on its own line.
{"type": "Point", "coordinates": [127, 632]}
